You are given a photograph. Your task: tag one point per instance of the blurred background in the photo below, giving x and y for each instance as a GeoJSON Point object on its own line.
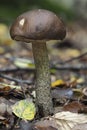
{"type": "Point", "coordinates": [73, 13]}
{"type": "Point", "coordinates": [9, 9]}
{"type": "Point", "coordinates": [68, 9]}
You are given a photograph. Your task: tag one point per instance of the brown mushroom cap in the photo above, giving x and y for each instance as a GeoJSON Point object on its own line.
{"type": "Point", "coordinates": [38, 24]}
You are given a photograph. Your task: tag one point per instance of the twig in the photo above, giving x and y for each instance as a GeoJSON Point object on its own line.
{"type": "Point", "coordinates": [16, 80]}
{"type": "Point", "coordinates": [9, 70]}
{"type": "Point", "coordinates": [74, 58]}
{"type": "Point", "coordinates": [69, 67]}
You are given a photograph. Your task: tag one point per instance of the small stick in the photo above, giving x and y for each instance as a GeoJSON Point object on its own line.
{"type": "Point", "coordinates": [16, 80]}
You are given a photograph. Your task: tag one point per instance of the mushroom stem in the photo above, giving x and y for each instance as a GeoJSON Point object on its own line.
{"type": "Point", "coordinates": [43, 83]}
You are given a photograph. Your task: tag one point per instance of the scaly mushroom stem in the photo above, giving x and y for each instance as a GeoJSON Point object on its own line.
{"type": "Point", "coordinates": [43, 83]}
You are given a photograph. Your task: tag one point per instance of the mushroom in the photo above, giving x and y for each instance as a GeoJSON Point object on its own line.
{"type": "Point", "coordinates": [39, 26]}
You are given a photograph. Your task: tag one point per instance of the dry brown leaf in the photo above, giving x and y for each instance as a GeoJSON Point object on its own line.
{"type": "Point", "coordinates": [67, 120]}
{"type": "Point", "coordinates": [74, 107]}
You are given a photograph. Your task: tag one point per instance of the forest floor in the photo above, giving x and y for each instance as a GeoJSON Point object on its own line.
{"type": "Point", "coordinates": [68, 68]}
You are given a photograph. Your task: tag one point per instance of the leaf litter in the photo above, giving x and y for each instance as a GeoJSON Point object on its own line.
{"type": "Point", "coordinates": [68, 86]}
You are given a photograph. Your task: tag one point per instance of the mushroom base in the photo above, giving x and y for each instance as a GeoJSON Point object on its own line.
{"type": "Point", "coordinates": [43, 83]}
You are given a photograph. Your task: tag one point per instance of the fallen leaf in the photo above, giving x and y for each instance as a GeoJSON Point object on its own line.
{"type": "Point", "coordinates": [58, 82]}
{"type": "Point", "coordinates": [7, 87]}
{"type": "Point", "coordinates": [67, 120]}
{"type": "Point", "coordinates": [62, 93]}
{"type": "Point", "coordinates": [74, 107]}
{"type": "Point", "coordinates": [24, 109]}
{"type": "Point", "coordinates": [23, 63]}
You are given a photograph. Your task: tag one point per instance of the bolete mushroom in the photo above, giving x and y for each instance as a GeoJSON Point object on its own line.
{"type": "Point", "coordinates": [38, 26]}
